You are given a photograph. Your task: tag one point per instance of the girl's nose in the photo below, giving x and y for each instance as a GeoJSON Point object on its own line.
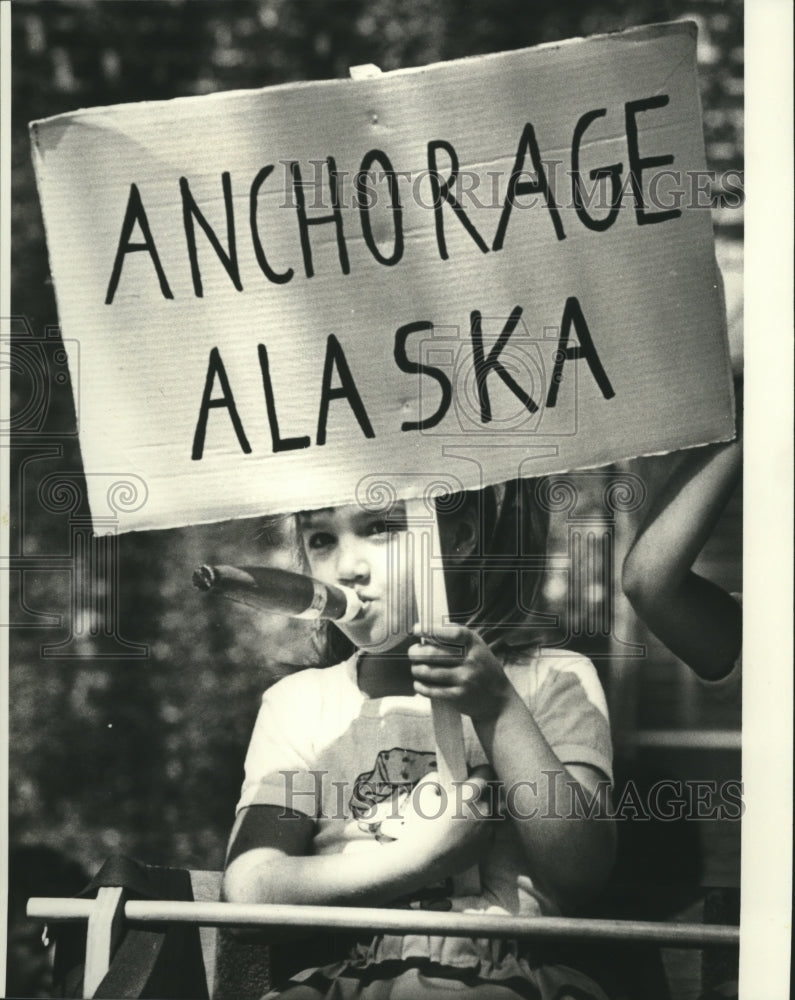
{"type": "Point", "coordinates": [352, 565]}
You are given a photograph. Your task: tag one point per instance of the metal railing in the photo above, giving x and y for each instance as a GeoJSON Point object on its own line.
{"type": "Point", "coordinates": [107, 914]}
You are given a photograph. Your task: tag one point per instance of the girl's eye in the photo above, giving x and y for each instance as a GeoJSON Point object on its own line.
{"type": "Point", "coordinates": [319, 540]}
{"type": "Point", "coordinates": [387, 526]}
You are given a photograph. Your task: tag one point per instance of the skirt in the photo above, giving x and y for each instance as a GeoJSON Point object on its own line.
{"type": "Point", "coordinates": [412, 967]}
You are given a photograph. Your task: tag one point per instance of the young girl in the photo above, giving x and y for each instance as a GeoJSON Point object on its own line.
{"type": "Point", "coordinates": [340, 803]}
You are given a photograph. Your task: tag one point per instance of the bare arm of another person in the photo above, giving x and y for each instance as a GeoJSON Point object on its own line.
{"type": "Point", "coordinates": [695, 618]}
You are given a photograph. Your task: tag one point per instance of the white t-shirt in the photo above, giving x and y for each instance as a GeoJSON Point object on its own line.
{"type": "Point", "coordinates": [321, 747]}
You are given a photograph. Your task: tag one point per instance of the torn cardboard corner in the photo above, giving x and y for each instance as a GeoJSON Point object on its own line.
{"type": "Point", "coordinates": [477, 270]}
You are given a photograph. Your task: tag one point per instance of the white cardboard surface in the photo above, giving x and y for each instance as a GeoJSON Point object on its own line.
{"type": "Point", "coordinates": [648, 292]}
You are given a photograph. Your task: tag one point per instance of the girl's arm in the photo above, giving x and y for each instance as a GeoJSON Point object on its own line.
{"type": "Point", "coordinates": [569, 851]}
{"type": "Point", "coordinates": [270, 859]}
{"type": "Point", "coordinates": [696, 619]}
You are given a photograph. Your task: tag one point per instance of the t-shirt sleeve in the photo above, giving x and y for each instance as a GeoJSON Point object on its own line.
{"type": "Point", "coordinates": [568, 704]}
{"type": "Point", "coordinates": [278, 768]}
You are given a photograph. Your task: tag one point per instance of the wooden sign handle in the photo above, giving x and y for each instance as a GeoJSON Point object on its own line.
{"type": "Point", "coordinates": [364, 72]}
{"type": "Point", "coordinates": [431, 597]}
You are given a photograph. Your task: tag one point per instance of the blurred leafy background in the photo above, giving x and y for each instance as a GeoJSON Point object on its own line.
{"type": "Point", "coordinates": [113, 751]}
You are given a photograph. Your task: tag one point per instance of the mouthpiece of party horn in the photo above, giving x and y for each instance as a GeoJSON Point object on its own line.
{"type": "Point", "coordinates": [279, 592]}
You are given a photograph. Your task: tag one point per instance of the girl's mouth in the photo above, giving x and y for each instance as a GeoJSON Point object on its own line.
{"type": "Point", "coordinates": [366, 603]}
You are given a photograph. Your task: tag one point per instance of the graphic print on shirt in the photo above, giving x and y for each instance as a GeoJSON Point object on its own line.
{"type": "Point", "coordinates": [379, 796]}
{"type": "Point", "coordinates": [379, 801]}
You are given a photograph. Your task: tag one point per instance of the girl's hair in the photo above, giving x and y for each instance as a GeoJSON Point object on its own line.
{"type": "Point", "coordinates": [494, 588]}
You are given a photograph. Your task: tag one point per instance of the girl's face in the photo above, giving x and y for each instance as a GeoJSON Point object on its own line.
{"type": "Point", "coordinates": [366, 551]}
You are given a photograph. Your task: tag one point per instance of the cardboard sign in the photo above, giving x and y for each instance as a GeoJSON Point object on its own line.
{"type": "Point", "coordinates": [432, 279]}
